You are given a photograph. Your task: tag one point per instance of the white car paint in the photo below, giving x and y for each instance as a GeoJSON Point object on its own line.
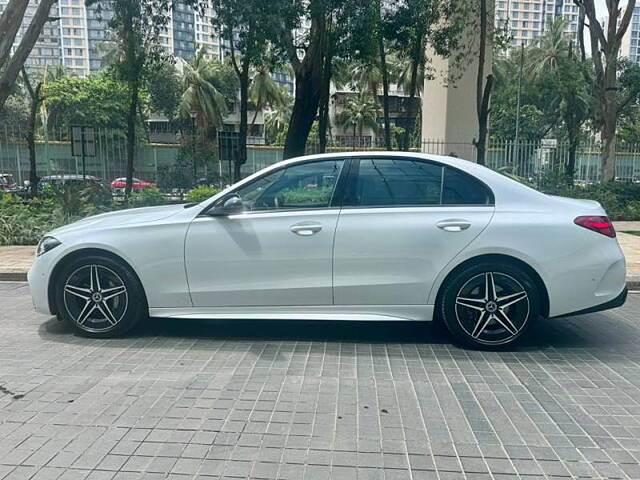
{"type": "Point", "coordinates": [364, 263]}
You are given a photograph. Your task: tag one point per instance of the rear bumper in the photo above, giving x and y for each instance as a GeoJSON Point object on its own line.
{"type": "Point", "coordinates": [614, 303]}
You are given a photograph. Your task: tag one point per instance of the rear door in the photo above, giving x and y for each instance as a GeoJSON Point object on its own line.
{"type": "Point", "coordinates": [402, 221]}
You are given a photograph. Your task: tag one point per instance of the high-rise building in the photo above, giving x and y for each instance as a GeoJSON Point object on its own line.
{"type": "Point", "coordinates": [77, 40]}
{"type": "Point", "coordinates": [630, 45]}
{"type": "Point", "coordinates": [526, 20]}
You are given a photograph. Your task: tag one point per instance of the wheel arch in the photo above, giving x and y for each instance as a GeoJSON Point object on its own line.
{"type": "Point", "coordinates": [83, 252]}
{"type": "Point", "coordinates": [499, 258]}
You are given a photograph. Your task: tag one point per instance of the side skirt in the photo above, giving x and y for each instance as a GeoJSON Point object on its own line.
{"type": "Point", "coordinates": [302, 312]}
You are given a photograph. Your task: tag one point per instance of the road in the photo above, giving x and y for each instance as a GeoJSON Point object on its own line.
{"type": "Point", "coordinates": [316, 400]}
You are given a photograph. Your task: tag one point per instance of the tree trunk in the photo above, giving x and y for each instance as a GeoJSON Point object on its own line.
{"type": "Point", "coordinates": [323, 113]}
{"type": "Point", "coordinates": [308, 74]}
{"type": "Point", "coordinates": [31, 139]}
{"type": "Point", "coordinates": [241, 159]}
{"type": "Point", "coordinates": [12, 68]}
{"type": "Point", "coordinates": [416, 61]}
{"type": "Point", "coordinates": [134, 94]}
{"type": "Point", "coordinates": [608, 134]}
{"type": "Point", "coordinates": [10, 22]}
{"type": "Point", "coordinates": [385, 92]}
{"type": "Point", "coordinates": [483, 122]}
{"type": "Point", "coordinates": [571, 161]}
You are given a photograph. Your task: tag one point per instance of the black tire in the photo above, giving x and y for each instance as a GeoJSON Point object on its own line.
{"type": "Point", "coordinates": [99, 308]}
{"type": "Point", "coordinates": [492, 321]}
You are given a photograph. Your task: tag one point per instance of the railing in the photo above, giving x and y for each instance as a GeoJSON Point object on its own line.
{"type": "Point", "coordinates": [528, 160]}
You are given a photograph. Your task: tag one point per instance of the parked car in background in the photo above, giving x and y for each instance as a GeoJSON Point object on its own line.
{"type": "Point", "coordinates": [59, 180]}
{"type": "Point", "coordinates": [351, 236]}
{"type": "Point", "coordinates": [7, 183]}
{"type": "Point", "coordinates": [121, 183]}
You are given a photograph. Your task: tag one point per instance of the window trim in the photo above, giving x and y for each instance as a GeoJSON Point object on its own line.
{"type": "Point", "coordinates": [354, 171]}
{"type": "Point", "coordinates": [336, 198]}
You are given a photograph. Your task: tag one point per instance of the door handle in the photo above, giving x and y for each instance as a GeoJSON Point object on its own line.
{"type": "Point", "coordinates": [454, 225]}
{"type": "Point", "coordinates": [305, 229]}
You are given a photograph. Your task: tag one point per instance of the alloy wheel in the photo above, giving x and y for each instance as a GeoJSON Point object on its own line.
{"type": "Point", "coordinates": [96, 298]}
{"type": "Point", "coordinates": [492, 308]}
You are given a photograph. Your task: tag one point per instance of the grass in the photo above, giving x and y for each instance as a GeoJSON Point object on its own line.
{"type": "Point", "coordinates": [633, 232]}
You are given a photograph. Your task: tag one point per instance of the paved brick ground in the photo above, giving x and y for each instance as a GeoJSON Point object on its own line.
{"type": "Point", "coordinates": [209, 400]}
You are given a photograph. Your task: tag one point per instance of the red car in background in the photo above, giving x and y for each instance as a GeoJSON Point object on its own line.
{"type": "Point", "coordinates": [121, 183]}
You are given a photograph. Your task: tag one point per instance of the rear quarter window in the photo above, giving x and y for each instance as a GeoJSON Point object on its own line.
{"type": "Point", "coordinates": [460, 188]}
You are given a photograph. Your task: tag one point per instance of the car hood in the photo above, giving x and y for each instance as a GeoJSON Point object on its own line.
{"type": "Point", "coordinates": [120, 218]}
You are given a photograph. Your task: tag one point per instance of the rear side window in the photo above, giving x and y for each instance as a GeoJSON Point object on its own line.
{"type": "Point", "coordinates": [462, 189]}
{"type": "Point", "coordinates": [395, 182]}
{"type": "Point", "coordinates": [404, 182]}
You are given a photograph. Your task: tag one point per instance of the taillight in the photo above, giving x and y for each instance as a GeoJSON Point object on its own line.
{"type": "Point", "coordinates": [598, 224]}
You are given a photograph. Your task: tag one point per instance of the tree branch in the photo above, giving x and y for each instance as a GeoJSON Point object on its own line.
{"type": "Point", "coordinates": [10, 22]}
{"type": "Point", "coordinates": [29, 39]}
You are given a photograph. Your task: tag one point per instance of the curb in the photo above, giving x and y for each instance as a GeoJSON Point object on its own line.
{"type": "Point", "coordinates": [633, 281]}
{"type": "Point", "coordinates": [13, 276]}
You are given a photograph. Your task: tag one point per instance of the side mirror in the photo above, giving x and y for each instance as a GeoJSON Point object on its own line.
{"type": "Point", "coordinates": [231, 206]}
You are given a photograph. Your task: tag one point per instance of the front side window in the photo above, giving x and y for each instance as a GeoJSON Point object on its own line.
{"type": "Point", "coordinates": [304, 186]}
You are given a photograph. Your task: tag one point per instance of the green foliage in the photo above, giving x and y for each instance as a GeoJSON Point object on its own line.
{"type": "Point", "coordinates": [147, 197]}
{"type": "Point", "coordinates": [23, 223]}
{"type": "Point", "coordinates": [98, 99]}
{"type": "Point", "coordinates": [621, 200]}
{"type": "Point", "coordinates": [165, 89]}
{"type": "Point", "coordinates": [201, 193]}
{"type": "Point", "coordinates": [209, 89]}
{"type": "Point", "coordinates": [307, 196]}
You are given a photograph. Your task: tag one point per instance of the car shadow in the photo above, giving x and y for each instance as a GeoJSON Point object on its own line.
{"type": "Point", "coordinates": [590, 332]}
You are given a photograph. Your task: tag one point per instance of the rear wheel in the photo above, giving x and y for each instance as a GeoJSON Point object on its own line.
{"type": "Point", "coordinates": [490, 305]}
{"type": "Point", "coordinates": [99, 296]}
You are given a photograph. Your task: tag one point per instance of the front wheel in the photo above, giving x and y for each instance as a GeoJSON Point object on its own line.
{"type": "Point", "coordinates": [99, 296]}
{"type": "Point", "coordinates": [490, 305]}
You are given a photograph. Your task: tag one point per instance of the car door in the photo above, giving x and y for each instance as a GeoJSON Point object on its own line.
{"type": "Point", "coordinates": [278, 252]}
{"type": "Point", "coordinates": [402, 221]}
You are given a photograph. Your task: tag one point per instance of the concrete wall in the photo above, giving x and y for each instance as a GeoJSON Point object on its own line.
{"type": "Point", "coordinates": [449, 102]}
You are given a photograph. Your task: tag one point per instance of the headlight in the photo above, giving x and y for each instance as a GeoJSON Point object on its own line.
{"type": "Point", "coordinates": [46, 244]}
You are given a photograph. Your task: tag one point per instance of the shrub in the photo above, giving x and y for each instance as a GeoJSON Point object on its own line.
{"type": "Point", "coordinates": [200, 194]}
{"type": "Point", "coordinates": [147, 197]}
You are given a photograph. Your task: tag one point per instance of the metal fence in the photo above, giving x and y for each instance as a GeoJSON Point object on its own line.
{"type": "Point", "coordinates": [526, 159]}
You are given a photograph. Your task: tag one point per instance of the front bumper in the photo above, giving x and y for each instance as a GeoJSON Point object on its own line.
{"type": "Point", "coordinates": [38, 278]}
{"type": "Point", "coordinates": [614, 303]}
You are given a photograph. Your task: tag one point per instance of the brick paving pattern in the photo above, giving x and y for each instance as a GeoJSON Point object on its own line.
{"type": "Point", "coordinates": [313, 400]}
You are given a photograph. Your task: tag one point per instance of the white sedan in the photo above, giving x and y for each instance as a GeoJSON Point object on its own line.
{"type": "Point", "coordinates": [359, 236]}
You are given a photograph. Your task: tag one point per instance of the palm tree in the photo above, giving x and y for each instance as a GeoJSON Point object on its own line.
{"type": "Point", "coordinates": [264, 91]}
{"type": "Point", "coordinates": [359, 111]}
{"type": "Point", "coordinates": [552, 57]}
{"type": "Point", "coordinates": [201, 98]}
{"type": "Point", "coordinates": [276, 118]}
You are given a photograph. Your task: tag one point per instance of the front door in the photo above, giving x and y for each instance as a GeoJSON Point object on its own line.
{"type": "Point", "coordinates": [402, 221]}
{"type": "Point", "coordinates": [278, 252]}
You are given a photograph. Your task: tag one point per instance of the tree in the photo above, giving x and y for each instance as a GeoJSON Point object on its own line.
{"type": "Point", "coordinates": [98, 99]}
{"type": "Point", "coordinates": [201, 96]}
{"type": "Point", "coordinates": [264, 91]}
{"type": "Point", "coordinates": [137, 26]}
{"type": "Point", "coordinates": [35, 99]}
{"type": "Point", "coordinates": [552, 60]}
{"type": "Point", "coordinates": [339, 29]}
{"type": "Point", "coordinates": [483, 83]}
{"type": "Point", "coordinates": [605, 49]}
{"type": "Point", "coordinates": [10, 22]}
{"type": "Point", "coordinates": [165, 89]}
{"type": "Point", "coordinates": [276, 120]}
{"type": "Point", "coordinates": [418, 24]}
{"type": "Point", "coordinates": [359, 112]}
{"type": "Point", "coordinates": [248, 26]}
